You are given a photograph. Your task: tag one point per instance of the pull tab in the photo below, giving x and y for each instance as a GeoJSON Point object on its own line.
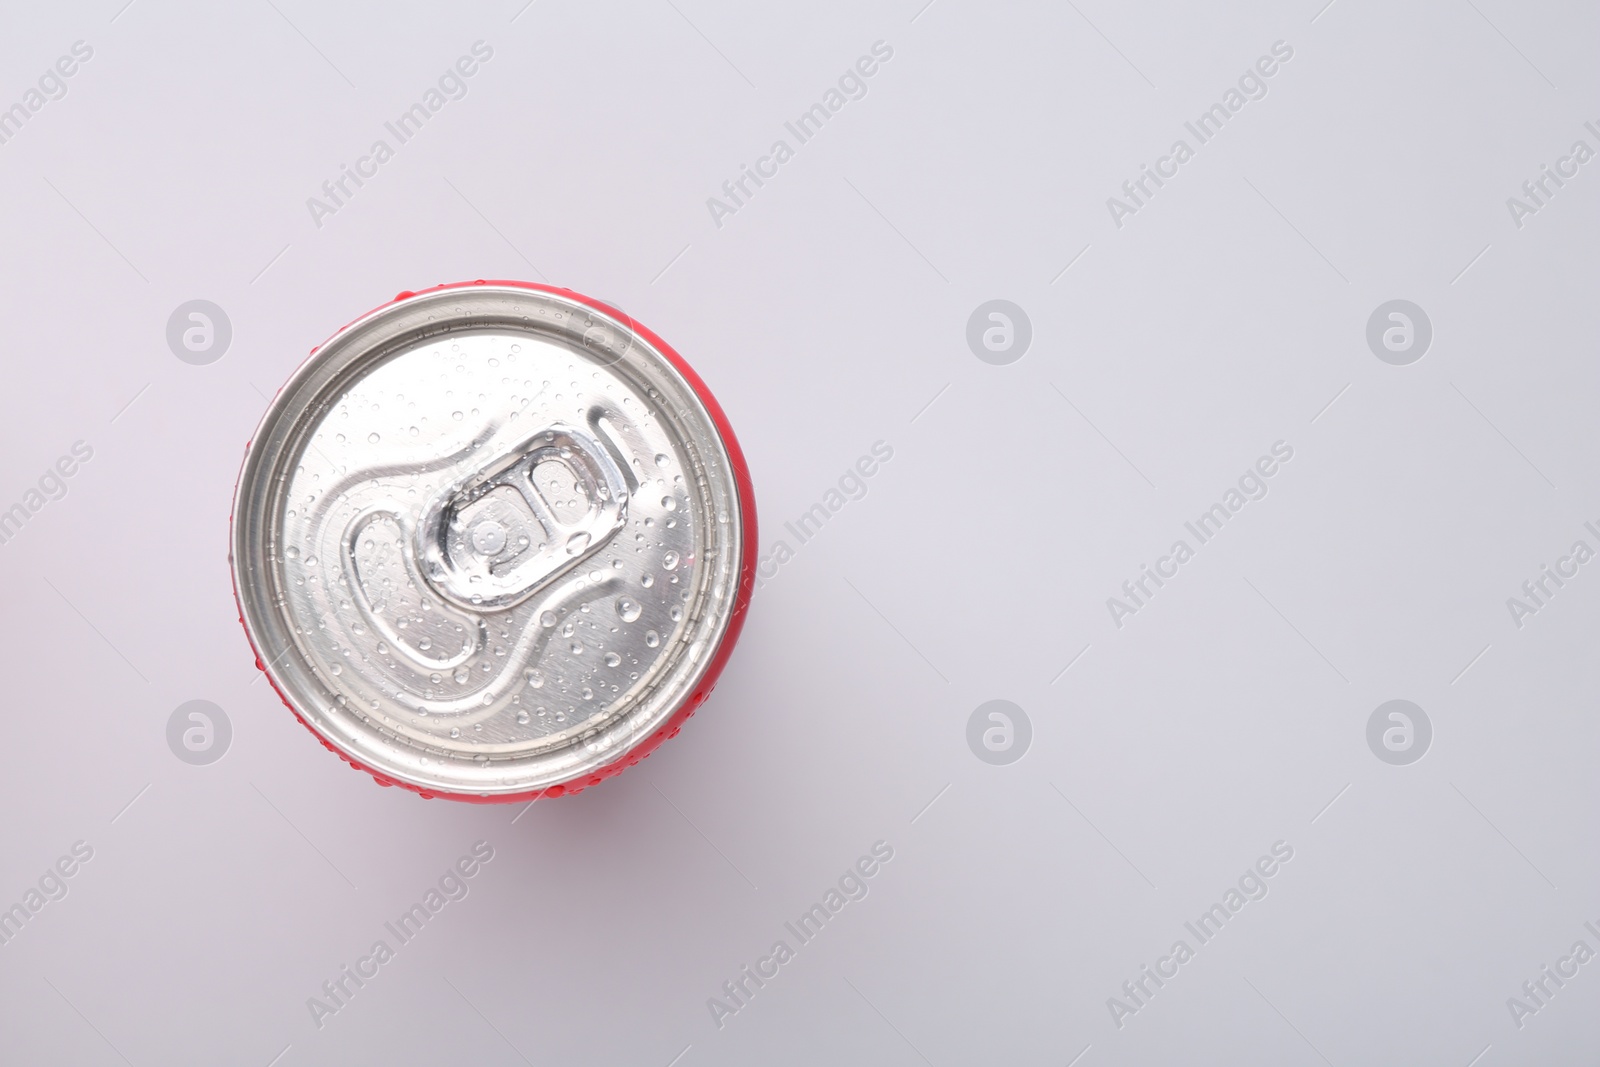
{"type": "Point", "coordinates": [492, 538]}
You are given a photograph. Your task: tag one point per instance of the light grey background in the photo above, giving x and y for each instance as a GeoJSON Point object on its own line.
{"type": "Point", "coordinates": [829, 313]}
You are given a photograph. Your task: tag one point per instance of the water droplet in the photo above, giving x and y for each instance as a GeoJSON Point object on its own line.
{"type": "Point", "coordinates": [311, 561]}
{"type": "Point", "coordinates": [670, 503]}
{"type": "Point", "coordinates": [455, 731]}
{"type": "Point", "coordinates": [662, 460]}
{"type": "Point", "coordinates": [536, 678]}
{"type": "Point", "coordinates": [456, 415]}
{"type": "Point", "coordinates": [291, 552]}
{"type": "Point", "coordinates": [461, 675]}
{"type": "Point", "coordinates": [414, 431]}
{"type": "Point", "coordinates": [652, 638]}
{"type": "Point", "coordinates": [373, 438]}
{"type": "Point", "coordinates": [488, 698]}
{"type": "Point", "coordinates": [335, 669]}
{"type": "Point", "coordinates": [577, 648]}
{"type": "Point", "coordinates": [612, 659]}
{"type": "Point", "coordinates": [523, 717]}
{"type": "Point", "coordinates": [648, 580]}
{"type": "Point", "coordinates": [628, 609]}
{"type": "Point", "coordinates": [435, 677]}
{"type": "Point", "coordinates": [577, 543]}
{"type": "Point", "coordinates": [676, 613]}
{"type": "Point", "coordinates": [547, 619]}
{"type": "Point", "coordinates": [588, 694]}
{"type": "Point", "coordinates": [424, 643]}
{"type": "Point", "coordinates": [670, 560]}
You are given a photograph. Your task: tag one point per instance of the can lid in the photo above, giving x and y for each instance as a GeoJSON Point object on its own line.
{"type": "Point", "coordinates": [491, 539]}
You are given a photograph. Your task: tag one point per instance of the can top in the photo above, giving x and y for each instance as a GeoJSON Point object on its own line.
{"type": "Point", "coordinates": [488, 539]}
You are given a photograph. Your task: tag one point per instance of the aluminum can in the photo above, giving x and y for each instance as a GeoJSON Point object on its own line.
{"type": "Point", "coordinates": [493, 541]}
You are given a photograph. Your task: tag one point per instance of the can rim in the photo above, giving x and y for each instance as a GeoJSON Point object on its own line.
{"type": "Point", "coordinates": [744, 491]}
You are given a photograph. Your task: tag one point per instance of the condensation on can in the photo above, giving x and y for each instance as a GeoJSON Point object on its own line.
{"type": "Point", "coordinates": [493, 541]}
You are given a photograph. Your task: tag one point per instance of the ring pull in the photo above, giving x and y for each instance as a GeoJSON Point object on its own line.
{"type": "Point", "coordinates": [494, 537]}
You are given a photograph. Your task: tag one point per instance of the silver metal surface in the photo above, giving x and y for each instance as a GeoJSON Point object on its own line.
{"type": "Point", "coordinates": [486, 540]}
